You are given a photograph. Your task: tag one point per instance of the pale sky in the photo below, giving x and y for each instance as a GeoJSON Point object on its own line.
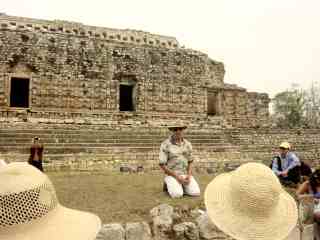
{"type": "Point", "coordinates": [266, 45]}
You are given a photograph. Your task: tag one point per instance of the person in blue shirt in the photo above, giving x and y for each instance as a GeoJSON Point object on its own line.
{"type": "Point", "coordinates": [286, 165]}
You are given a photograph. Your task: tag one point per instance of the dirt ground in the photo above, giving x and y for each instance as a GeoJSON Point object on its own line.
{"type": "Point", "coordinates": [119, 197]}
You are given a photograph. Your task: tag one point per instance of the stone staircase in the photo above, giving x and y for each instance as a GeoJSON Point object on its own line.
{"type": "Point", "coordinates": [107, 148]}
{"type": "Point", "coordinates": [96, 147]}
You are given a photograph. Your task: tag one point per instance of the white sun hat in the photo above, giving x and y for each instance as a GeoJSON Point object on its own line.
{"type": "Point", "coordinates": [29, 209]}
{"type": "Point", "coordinates": [250, 204]}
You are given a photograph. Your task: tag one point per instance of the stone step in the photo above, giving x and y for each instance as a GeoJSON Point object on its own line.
{"type": "Point", "coordinates": [102, 145]}
{"type": "Point", "coordinates": [108, 149]}
{"type": "Point", "coordinates": [105, 135]}
{"type": "Point", "coordinates": [120, 158]}
{"type": "Point", "coordinates": [85, 129]}
{"type": "Point", "coordinates": [111, 130]}
{"type": "Point", "coordinates": [49, 128]}
{"type": "Point", "coordinates": [18, 140]}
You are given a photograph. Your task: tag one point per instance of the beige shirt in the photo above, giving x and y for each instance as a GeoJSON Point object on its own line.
{"type": "Point", "coordinates": [176, 156]}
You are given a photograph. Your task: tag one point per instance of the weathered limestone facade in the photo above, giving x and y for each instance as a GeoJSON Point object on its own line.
{"type": "Point", "coordinates": [100, 97]}
{"type": "Point", "coordinates": [58, 72]}
{"type": "Point", "coordinates": [241, 108]}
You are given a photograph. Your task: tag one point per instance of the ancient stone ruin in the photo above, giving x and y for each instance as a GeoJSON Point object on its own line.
{"type": "Point", "coordinates": [166, 223]}
{"type": "Point", "coordinates": [59, 69]}
{"type": "Point", "coordinates": [101, 97]}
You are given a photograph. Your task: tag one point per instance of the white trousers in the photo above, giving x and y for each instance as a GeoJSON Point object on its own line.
{"type": "Point", "coordinates": [176, 190]}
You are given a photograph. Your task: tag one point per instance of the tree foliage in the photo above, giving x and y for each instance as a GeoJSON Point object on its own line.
{"type": "Point", "coordinates": [297, 107]}
{"type": "Point", "coordinates": [313, 105]}
{"type": "Point", "coordinates": [289, 108]}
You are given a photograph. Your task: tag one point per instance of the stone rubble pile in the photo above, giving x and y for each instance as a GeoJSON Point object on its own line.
{"type": "Point", "coordinates": [167, 223]}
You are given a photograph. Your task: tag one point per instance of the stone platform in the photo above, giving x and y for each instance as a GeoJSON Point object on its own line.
{"type": "Point", "coordinates": [97, 147]}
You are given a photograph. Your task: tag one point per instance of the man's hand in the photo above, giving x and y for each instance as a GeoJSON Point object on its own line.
{"type": "Point", "coordinates": [284, 173]}
{"type": "Point", "coordinates": [187, 179]}
{"type": "Point", "coordinates": [180, 179]}
{"type": "Point", "coordinates": [183, 180]}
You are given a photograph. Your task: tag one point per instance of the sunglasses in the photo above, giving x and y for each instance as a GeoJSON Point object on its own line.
{"type": "Point", "coordinates": [177, 128]}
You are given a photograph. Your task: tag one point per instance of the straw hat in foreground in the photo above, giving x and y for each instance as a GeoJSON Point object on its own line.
{"type": "Point", "coordinates": [30, 209]}
{"type": "Point", "coordinates": [250, 204]}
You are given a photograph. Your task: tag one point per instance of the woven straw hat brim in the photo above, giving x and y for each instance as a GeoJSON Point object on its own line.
{"type": "Point", "coordinates": [61, 223]}
{"type": "Point", "coordinates": [238, 225]}
{"type": "Point", "coordinates": [177, 126]}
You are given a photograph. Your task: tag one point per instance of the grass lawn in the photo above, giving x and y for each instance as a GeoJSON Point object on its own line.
{"type": "Point", "coordinates": [119, 197]}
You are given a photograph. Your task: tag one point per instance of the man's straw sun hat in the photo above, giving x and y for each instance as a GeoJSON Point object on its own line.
{"type": "Point", "coordinates": [29, 209]}
{"type": "Point", "coordinates": [250, 204]}
{"type": "Point", "coordinates": [177, 124]}
{"type": "Point", "coordinates": [285, 145]}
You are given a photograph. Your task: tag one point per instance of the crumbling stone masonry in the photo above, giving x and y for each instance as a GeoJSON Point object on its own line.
{"type": "Point", "coordinates": [58, 71]}
{"type": "Point", "coordinates": [167, 224]}
{"type": "Point", "coordinates": [100, 97]}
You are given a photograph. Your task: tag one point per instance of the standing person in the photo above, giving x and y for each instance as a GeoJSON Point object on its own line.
{"type": "Point", "coordinates": [249, 203]}
{"type": "Point", "coordinates": [176, 162]}
{"type": "Point", "coordinates": [36, 152]}
{"type": "Point", "coordinates": [286, 165]}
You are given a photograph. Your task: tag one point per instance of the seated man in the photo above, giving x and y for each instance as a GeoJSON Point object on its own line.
{"type": "Point", "coordinates": [286, 165]}
{"type": "Point", "coordinates": [175, 160]}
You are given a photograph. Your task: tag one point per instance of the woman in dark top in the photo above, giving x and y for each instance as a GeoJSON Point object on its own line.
{"type": "Point", "coordinates": [36, 152]}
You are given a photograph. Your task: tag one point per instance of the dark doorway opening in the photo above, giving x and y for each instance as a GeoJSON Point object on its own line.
{"type": "Point", "coordinates": [126, 98]}
{"type": "Point", "coordinates": [213, 104]}
{"type": "Point", "coordinates": [19, 92]}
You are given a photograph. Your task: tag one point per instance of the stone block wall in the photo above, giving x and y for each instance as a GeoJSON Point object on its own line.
{"type": "Point", "coordinates": [260, 144]}
{"type": "Point", "coordinates": [95, 147]}
{"type": "Point", "coordinates": [239, 107]}
{"type": "Point", "coordinates": [76, 68]}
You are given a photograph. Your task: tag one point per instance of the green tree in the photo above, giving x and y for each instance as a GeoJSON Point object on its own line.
{"type": "Point", "coordinates": [289, 108]}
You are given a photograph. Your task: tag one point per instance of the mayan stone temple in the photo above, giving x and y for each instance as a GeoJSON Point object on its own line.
{"type": "Point", "coordinates": [101, 97]}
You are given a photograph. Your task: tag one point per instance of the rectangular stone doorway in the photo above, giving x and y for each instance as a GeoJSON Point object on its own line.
{"type": "Point", "coordinates": [213, 103]}
{"type": "Point", "coordinates": [126, 98]}
{"type": "Point", "coordinates": [19, 92]}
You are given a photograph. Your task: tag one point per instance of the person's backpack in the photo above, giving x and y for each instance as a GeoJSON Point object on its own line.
{"type": "Point", "coordinates": [278, 159]}
{"type": "Point", "coordinates": [305, 169]}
